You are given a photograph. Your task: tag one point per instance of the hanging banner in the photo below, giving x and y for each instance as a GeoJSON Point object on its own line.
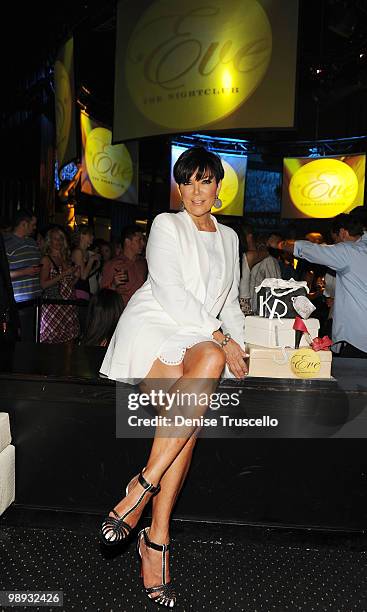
{"type": "Point", "coordinates": [218, 64]}
{"type": "Point", "coordinates": [109, 171]}
{"type": "Point", "coordinates": [66, 149]}
{"type": "Point", "coordinates": [322, 187]}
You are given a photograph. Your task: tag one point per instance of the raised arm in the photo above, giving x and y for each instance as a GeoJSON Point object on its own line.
{"type": "Point", "coordinates": [334, 256]}
{"type": "Point", "coordinates": [85, 268]}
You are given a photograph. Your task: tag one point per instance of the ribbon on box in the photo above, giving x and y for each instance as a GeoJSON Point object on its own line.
{"type": "Point", "coordinates": [317, 344]}
{"type": "Point", "coordinates": [321, 344]}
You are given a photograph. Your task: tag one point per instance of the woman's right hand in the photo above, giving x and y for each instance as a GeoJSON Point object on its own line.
{"type": "Point", "coordinates": [235, 359]}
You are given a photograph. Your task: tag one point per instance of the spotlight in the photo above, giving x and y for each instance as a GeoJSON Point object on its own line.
{"type": "Point", "coordinates": [317, 72]}
{"type": "Point", "coordinates": [314, 152]}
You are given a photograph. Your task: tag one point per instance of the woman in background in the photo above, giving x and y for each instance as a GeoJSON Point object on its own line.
{"type": "Point", "coordinates": [83, 238]}
{"type": "Point", "coordinates": [58, 277]}
{"type": "Point", "coordinates": [86, 261]}
{"type": "Point", "coordinates": [104, 311]}
{"type": "Point", "coordinates": [257, 264]}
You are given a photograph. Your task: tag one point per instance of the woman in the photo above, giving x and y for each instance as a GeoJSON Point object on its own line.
{"type": "Point", "coordinates": [86, 261]}
{"type": "Point", "coordinates": [59, 322]}
{"type": "Point", "coordinates": [171, 330]}
{"type": "Point", "coordinates": [104, 311]}
{"type": "Point", "coordinates": [257, 264]}
{"type": "Point", "coordinates": [83, 239]}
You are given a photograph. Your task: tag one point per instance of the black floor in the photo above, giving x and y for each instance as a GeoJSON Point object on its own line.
{"type": "Point", "coordinates": [216, 568]}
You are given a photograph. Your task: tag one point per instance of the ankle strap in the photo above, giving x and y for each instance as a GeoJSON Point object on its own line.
{"type": "Point", "coordinates": [147, 485]}
{"type": "Point", "coordinates": [150, 544]}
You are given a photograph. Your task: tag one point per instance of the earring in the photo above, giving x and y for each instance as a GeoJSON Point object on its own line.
{"type": "Point", "coordinates": [182, 206]}
{"type": "Point", "coordinates": [217, 202]}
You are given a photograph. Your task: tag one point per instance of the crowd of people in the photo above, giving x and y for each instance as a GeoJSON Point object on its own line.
{"type": "Point", "coordinates": [81, 285]}
{"type": "Point", "coordinates": [61, 286]}
{"type": "Point", "coordinates": [336, 275]}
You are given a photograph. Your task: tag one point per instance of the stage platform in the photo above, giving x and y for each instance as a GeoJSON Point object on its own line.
{"type": "Point", "coordinates": [68, 458]}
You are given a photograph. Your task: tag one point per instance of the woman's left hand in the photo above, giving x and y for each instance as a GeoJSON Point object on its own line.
{"type": "Point", "coordinates": [67, 272]}
{"type": "Point", "coordinates": [235, 358]}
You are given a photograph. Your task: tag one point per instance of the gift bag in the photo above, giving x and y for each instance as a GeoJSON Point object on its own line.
{"type": "Point", "coordinates": [275, 297]}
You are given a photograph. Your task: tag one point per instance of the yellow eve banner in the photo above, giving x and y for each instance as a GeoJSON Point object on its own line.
{"type": "Point", "coordinates": [66, 150]}
{"type": "Point", "coordinates": [109, 171]}
{"type": "Point", "coordinates": [323, 187]}
{"type": "Point", "coordinates": [216, 64]}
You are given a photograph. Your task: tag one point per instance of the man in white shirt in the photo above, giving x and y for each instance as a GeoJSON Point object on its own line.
{"type": "Point", "coordinates": [349, 260]}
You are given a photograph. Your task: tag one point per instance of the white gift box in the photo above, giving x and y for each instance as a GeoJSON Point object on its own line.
{"type": "Point", "coordinates": [277, 362]}
{"type": "Point", "coordinates": [5, 437]}
{"type": "Point", "coordinates": [7, 464]}
{"type": "Point", "coordinates": [7, 477]}
{"type": "Point", "coordinates": [272, 333]}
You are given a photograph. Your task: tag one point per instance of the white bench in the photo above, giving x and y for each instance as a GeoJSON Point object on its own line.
{"type": "Point", "coordinates": [7, 464]}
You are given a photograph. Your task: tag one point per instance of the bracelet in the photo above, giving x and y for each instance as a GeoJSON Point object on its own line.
{"type": "Point", "coordinates": [225, 340]}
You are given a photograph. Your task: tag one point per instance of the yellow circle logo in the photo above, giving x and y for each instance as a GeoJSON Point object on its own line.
{"type": "Point", "coordinates": [305, 363]}
{"type": "Point", "coordinates": [195, 62]}
{"type": "Point", "coordinates": [63, 105]}
{"type": "Point", "coordinates": [323, 188]}
{"type": "Point", "coordinates": [229, 187]}
{"type": "Point", "coordinates": [109, 167]}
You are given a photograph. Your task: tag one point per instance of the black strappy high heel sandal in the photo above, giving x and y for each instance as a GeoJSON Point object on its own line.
{"type": "Point", "coordinates": [114, 529]}
{"type": "Point", "coordinates": [167, 595]}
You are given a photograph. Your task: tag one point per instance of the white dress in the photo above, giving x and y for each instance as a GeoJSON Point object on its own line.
{"type": "Point", "coordinates": [174, 349]}
{"type": "Point", "coordinates": [191, 291]}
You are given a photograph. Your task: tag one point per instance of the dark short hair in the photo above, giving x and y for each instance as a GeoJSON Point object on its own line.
{"type": "Point", "coordinates": [22, 215]}
{"type": "Point", "coordinates": [360, 213]}
{"type": "Point", "coordinates": [129, 232]}
{"type": "Point", "coordinates": [198, 159]}
{"type": "Point", "coordinates": [348, 222]}
{"type": "Point", "coordinates": [104, 311]}
{"type": "Point", "coordinates": [81, 230]}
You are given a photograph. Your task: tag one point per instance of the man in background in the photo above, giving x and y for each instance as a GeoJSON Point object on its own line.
{"type": "Point", "coordinates": [127, 272]}
{"type": "Point", "coordinates": [9, 318]}
{"type": "Point", "coordinates": [349, 260]}
{"type": "Point", "coordinates": [24, 259]}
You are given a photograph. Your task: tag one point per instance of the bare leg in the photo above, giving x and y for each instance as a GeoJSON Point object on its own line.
{"type": "Point", "coordinates": [202, 367]}
{"type": "Point", "coordinates": [174, 476]}
{"type": "Point", "coordinates": [203, 362]}
{"type": "Point", "coordinates": [163, 504]}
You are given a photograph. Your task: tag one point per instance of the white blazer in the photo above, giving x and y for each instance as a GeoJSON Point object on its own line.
{"type": "Point", "coordinates": [172, 299]}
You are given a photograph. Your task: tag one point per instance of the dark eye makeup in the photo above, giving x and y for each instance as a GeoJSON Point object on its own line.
{"type": "Point", "coordinates": [206, 181]}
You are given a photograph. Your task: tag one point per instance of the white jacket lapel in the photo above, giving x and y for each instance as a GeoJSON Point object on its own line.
{"type": "Point", "coordinates": [196, 251]}
{"type": "Point", "coordinates": [225, 253]}
{"type": "Point", "coordinates": [196, 256]}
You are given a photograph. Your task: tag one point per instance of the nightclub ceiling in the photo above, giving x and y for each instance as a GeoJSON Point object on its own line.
{"type": "Point", "coordinates": [332, 62]}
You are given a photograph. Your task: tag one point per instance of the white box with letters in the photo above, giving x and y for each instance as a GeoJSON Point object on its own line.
{"type": "Point", "coordinates": [272, 333]}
